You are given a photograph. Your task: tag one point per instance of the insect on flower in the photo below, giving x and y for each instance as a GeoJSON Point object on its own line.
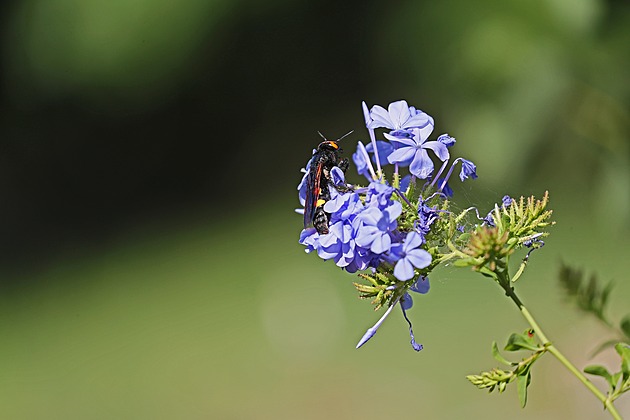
{"type": "Point", "coordinates": [318, 179]}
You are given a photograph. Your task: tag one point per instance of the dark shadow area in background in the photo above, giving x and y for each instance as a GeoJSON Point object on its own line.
{"type": "Point", "coordinates": [71, 176]}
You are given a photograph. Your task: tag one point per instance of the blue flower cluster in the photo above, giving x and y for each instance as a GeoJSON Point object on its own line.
{"type": "Point", "coordinates": [363, 233]}
{"type": "Point", "coordinates": [365, 230]}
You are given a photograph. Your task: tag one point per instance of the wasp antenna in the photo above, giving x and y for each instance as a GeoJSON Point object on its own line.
{"type": "Point", "coordinates": [345, 135]}
{"type": "Point", "coordinates": [322, 136]}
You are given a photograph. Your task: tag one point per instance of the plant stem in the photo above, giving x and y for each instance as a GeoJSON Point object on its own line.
{"type": "Point", "coordinates": [608, 404]}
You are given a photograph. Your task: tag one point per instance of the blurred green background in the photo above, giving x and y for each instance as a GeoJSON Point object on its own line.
{"type": "Point", "coordinates": [149, 155]}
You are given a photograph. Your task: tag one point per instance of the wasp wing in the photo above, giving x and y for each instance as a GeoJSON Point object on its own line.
{"type": "Point", "coordinates": [313, 191]}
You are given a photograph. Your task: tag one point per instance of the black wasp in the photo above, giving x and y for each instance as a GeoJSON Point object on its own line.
{"type": "Point", "coordinates": [318, 180]}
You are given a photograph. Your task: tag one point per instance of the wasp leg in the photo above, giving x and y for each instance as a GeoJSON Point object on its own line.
{"type": "Point", "coordinates": [343, 164]}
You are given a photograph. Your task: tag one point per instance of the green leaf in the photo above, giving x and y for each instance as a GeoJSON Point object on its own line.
{"type": "Point", "coordinates": [604, 296]}
{"type": "Point", "coordinates": [599, 370]}
{"type": "Point", "coordinates": [520, 342]}
{"type": "Point", "coordinates": [464, 237]}
{"type": "Point", "coordinates": [624, 351]}
{"type": "Point", "coordinates": [625, 326]}
{"type": "Point", "coordinates": [463, 262]}
{"type": "Point", "coordinates": [603, 347]}
{"type": "Point", "coordinates": [497, 356]}
{"type": "Point", "coordinates": [615, 380]}
{"type": "Point", "coordinates": [522, 383]}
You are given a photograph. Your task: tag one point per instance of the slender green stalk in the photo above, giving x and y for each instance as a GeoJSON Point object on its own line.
{"type": "Point", "coordinates": [553, 350]}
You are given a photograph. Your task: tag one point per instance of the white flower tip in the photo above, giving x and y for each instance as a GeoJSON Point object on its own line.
{"type": "Point", "coordinates": [369, 334]}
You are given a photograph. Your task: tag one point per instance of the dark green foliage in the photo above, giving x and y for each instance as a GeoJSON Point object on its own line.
{"type": "Point", "coordinates": [588, 295]}
{"type": "Point", "coordinates": [591, 297]}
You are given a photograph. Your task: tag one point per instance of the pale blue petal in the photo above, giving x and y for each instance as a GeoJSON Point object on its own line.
{"type": "Point", "coordinates": [366, 236]}
{"type": "Point", "coordinates": [366, 114]}
{"type": "Point", "coordinates": [419, 120]}
{"type": "Point", "coordinates": [334, 205]}
{"type": "Point", "coordinates": [398, 113]}
{"type": "Point", "coordinates": [402, 154]}
{"type": "Point", "coordinates": [412, 241]}
{"type": "Point", "coordinates": [371, 216]}
{"type": "Point", "coordinates": [401, 140]}
{"type": "Point", "coordinates": [403, 270]}
{"type": "Point", "coordinates": [422, 165]}
{"type": "Point", "coordinates": [347, 233]}
{"type": "Point", "coordinates": [424, 132]}
{"type": "Point", "coordinates": [336, 229]}
{"type": "Point", "coordinates": [394, 210]}
{"type": "Point", "coordinates": [381, 244]}
{"type": "Point", "coordinates": [439, 148]}
{"type": "Point", "coordinates": [327, 253]}
{"type": "Point", "coordinates": [327, 240]}
{"type": "Point", "coordinates": [419, 258]}
{"type": "Point", "coordinates": [380, 118]}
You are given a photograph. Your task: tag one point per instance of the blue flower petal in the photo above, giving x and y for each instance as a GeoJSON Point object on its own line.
{"type": "Point", "coordinates": [446, 189]}
{"type": "Point", "coordinates": [403, 270]}
{"type": "Point", "coordinates": [371, 216]}
{"type": "Point", "coordinates": [398, 113]}
{"type": "Point", "coordinates": [336, 230]}
{"type": "Point", "coordinates": [402, 154]}
{"type": "Point", "coordinates": [422, 165]}
{"type": "Point", "coordinates": [384, 150]}
{"type": "Point", "coordinates": [406, 302]}
{"type": "Point", "coordinates": [336, 204]}
{"type": "Point", "coordinates": [394, 210]}
{"type": "Point", "coordinates": [440, 150]}
{"type": "Point", "coordinates": [402, 141]}
{"type": "Point", "coordinates": [366, 235]}
{"type": "Point", "coordinates": [380, 118]}
{"type": "Point", "coordinates": [447, 140]}
{"type": "Point", "coordinates": [328, 240]}
{"type": "Point", "coordinates": [468, 170]}
{"type": "Point", "coordinates": [366, 114]}
{"type": "Point", "coordinates": [381, 244]}
{"type": "Point", "coordinates": [328, 252]}
{"type": "Point", "coordinates": [420, 119]}
{"type": "Point", "coordinates": [421, 285]}
{"type": "Point", "coordinates": [404, 183]}
{"type": "Point", "coordinates": [419, 258]}
{"type": "Point", "coordinates": [412, 241]}
{"type": "Point", "coordinates": [423, 133]}
{"type": "Point", "coordinates": [337, 176]}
